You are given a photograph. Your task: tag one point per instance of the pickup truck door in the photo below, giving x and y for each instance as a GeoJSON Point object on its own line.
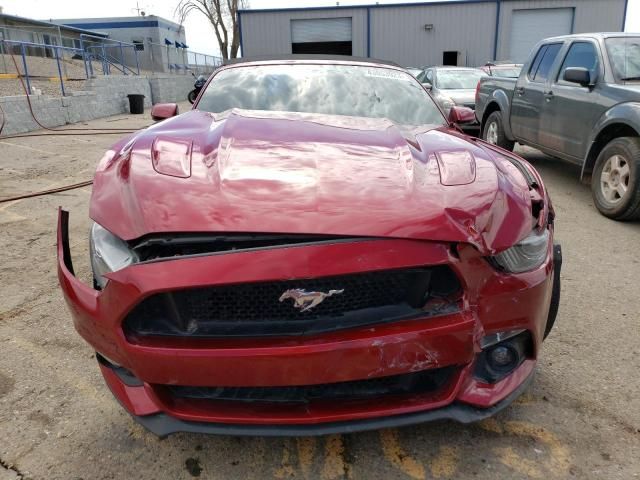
{"type": "Point", "coordinates": [575, 108]}
{"type": "Point", "coordinates": [530, 116]}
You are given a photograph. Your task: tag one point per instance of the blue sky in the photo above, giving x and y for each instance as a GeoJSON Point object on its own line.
{"type": "Point", "coordinates": [199, 34]}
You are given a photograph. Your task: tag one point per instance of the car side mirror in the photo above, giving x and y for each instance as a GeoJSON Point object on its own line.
{"type": "Point", "coordinates": [427, 85]}
{"type": "Point", "coordinates": [162, 111]}
{"type": "Point", "coordinates": [461, 115]}
{"type": "Point", "coordinates": [578, 75]}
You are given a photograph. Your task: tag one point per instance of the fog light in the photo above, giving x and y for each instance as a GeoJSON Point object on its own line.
{"type": "Point", "coordinates": [502, 356]}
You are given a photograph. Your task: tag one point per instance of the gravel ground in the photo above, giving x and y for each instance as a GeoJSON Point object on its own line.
{"type": "Point", "coordinates": [580, 419]}
{"type": "Point", "coordinates": [12, 86]}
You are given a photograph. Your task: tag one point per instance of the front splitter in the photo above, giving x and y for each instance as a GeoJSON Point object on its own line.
{"type": "Point", "coordinates": [162, 424]}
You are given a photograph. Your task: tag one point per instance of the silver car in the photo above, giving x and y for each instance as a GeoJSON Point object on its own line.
{"type": "Point", "coordinates": [452, 85]}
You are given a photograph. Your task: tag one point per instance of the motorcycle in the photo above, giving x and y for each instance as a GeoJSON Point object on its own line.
{"type": "Point", "coordinates": [200, 81]}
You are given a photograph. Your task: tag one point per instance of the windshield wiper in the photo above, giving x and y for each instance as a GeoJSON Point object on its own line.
{"type": "Point", "coordinates": [628, 79]}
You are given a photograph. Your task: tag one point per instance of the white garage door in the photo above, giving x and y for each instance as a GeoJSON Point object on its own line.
{"type": "Point", "coordinates": [321, 30]}
{"type": "Point", "coordinates": [528, 27]}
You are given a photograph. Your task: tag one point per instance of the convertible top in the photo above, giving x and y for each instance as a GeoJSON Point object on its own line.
{"type": "Point", "coordinates": [342, 58]}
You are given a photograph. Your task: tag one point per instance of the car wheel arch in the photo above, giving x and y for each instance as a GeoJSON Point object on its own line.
{"type": "Point", "coordinates": [490, 108]}
{"type": "Point", "coordinates": [498, 102]}
{"type": "Point", "coordinates": [611, 131]}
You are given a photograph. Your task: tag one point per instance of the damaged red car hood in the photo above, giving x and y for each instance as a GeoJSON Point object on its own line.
{"type": "Point", "coordinates": [270, 172]}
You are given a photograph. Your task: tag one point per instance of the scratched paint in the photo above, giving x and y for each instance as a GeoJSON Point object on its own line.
{"type": "Point", "coordinates": [445, 463]}
{"type": "Point", "coordinates": [557, 462]}
{"type": "Point", "coordinates": [285, 470]}
{"type": "Point", "coordinates": [509, 457]}
{"type": "Point", "coordinates": [395, 454]}
{"type": "Point", "coordinates": [334, 465]}
{"type": "Point", "coordinates": [525, 399]}
{"type": "Point", "coordinates": [306, 452]}
{"type": "Point", "coordinates": [559, 457]}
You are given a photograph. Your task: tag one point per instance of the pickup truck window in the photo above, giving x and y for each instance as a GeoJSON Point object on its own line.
{"type": "Point", "coordinates": [580, 54]}
{"type": "Point", "coordinates": [624, 55]}
{"type": "Point", "coordinates": [541, 66]}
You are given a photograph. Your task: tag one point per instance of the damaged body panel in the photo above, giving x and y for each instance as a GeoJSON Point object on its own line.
{"type": "Point", "coordinates": [286, 273]}
{"type": "Point", "coordinates": [272, 172]}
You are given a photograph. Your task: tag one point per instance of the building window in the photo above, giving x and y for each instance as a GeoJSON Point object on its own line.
{"type": "Point", "coordinates": [450, 58]}
{"type": "Point", "coordinates": [139, 45]}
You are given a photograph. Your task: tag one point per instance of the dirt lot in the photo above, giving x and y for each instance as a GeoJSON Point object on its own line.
{"type": "Point", "coordinates": [580, 419]}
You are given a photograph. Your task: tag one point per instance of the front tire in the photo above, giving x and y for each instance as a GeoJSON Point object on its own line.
{"type": "Point", "coordinates": [615, 183]}
{"type": "Point", "coordinates": [192, 96]}
{"type": "Point", "coordinates": [493, 131]}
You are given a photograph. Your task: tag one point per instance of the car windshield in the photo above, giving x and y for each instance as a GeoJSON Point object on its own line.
{"type": "Point", "coordinates": [360, 91]}
{"type": "Point", "coordinates": [624, 55]}
{"type": "Point", "coordinates": [458, 79]}
{"type": "Point", "coordinates": [510, 72]}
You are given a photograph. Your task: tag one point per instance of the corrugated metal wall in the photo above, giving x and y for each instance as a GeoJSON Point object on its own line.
{"type": "Point", "coordinates": [398, 34]}
{"type": "Point", "coordinates": [590, 16]}
{"type": "Point", "coordinates": [269, 33]}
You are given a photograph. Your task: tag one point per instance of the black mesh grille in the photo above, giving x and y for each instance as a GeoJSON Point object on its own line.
{"type": "Point", "coordinates": [255, 309]}
{"type": "Point", "coordinates": [411, 383]}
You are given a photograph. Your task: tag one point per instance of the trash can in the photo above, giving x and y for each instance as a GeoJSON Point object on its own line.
{"type": "Point", "coordinates": [136, 103]}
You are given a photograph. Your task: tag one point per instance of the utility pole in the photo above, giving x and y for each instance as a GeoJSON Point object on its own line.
{"type": "Point", "coordinates": [138, 9]}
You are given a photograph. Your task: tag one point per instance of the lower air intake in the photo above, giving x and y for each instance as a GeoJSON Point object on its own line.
{"type": "Point", "coordinates": [426, 381]}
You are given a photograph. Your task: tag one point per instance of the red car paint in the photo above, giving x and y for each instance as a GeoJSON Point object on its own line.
{"type": "Point", "coordinates": [238, 181]}
{"type": "Point", "coordinates": [417, 197]}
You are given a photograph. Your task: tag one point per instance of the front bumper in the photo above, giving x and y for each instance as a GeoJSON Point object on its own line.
{"type": "Point", "coordinates": [163, 424]}
{"type": "Point", "coordinates": [492, 302]}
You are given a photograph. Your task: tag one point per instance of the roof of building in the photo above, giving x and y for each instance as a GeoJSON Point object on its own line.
{"type": "Point", "coordinates": [44, 23]}
{"type": "Point", "coordinates": [370, 5]}
{"type": "Point", "coordinates": [120, 22]}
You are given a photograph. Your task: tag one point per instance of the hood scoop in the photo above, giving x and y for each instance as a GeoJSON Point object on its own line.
{"type": "Point", "coordinates": [172, 156]}
{"type": "Point", "coordinates": [457, 167]}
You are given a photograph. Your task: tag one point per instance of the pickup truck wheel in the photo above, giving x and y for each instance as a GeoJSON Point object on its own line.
{"type": "Point", "coordinates": [493, 132]}
{"type": "Point", "coordinates": [615, 183]}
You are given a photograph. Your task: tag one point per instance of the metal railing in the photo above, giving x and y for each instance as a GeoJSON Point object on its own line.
{"type": "Point", "coordinates": [156, 57]}
{"type": "Point", "coordinates": [77, 59]}
{"type": "Point", "coordinates": [14, 47]}
{"type": "Point", "coordinates": [123, 60]}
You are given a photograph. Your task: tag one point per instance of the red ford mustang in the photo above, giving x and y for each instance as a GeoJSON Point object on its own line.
{"type": "Point", "coordinates": [314, 248]}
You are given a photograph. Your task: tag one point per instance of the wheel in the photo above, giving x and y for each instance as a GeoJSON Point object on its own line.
{"type": "Point", "coordinates": [615, 183]}
{"type": "Point", "coordinates": [192, 96]}
{"type": "Point", "coordinates": [493, 131]}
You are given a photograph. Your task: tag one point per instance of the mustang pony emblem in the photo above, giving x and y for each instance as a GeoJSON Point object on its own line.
{"type": "Point", "coordinates": [303, 300]}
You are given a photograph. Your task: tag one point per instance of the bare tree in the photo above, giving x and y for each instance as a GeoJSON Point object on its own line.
{"type": "Point", "coordinates": [223, 16]}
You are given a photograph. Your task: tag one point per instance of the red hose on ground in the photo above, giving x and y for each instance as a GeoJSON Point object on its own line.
{"type": "Point", "coordinates": [47, 192]}
{"type": "Point", "coordinates": [79, 131]}
{"type": "Point", "coordinates": [98, 131]}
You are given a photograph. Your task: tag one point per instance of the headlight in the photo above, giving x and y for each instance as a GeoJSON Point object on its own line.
{"type": "Point", "coordinates": [108, 253]}
{"type": "Point", "coordinates": [526, 255]}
